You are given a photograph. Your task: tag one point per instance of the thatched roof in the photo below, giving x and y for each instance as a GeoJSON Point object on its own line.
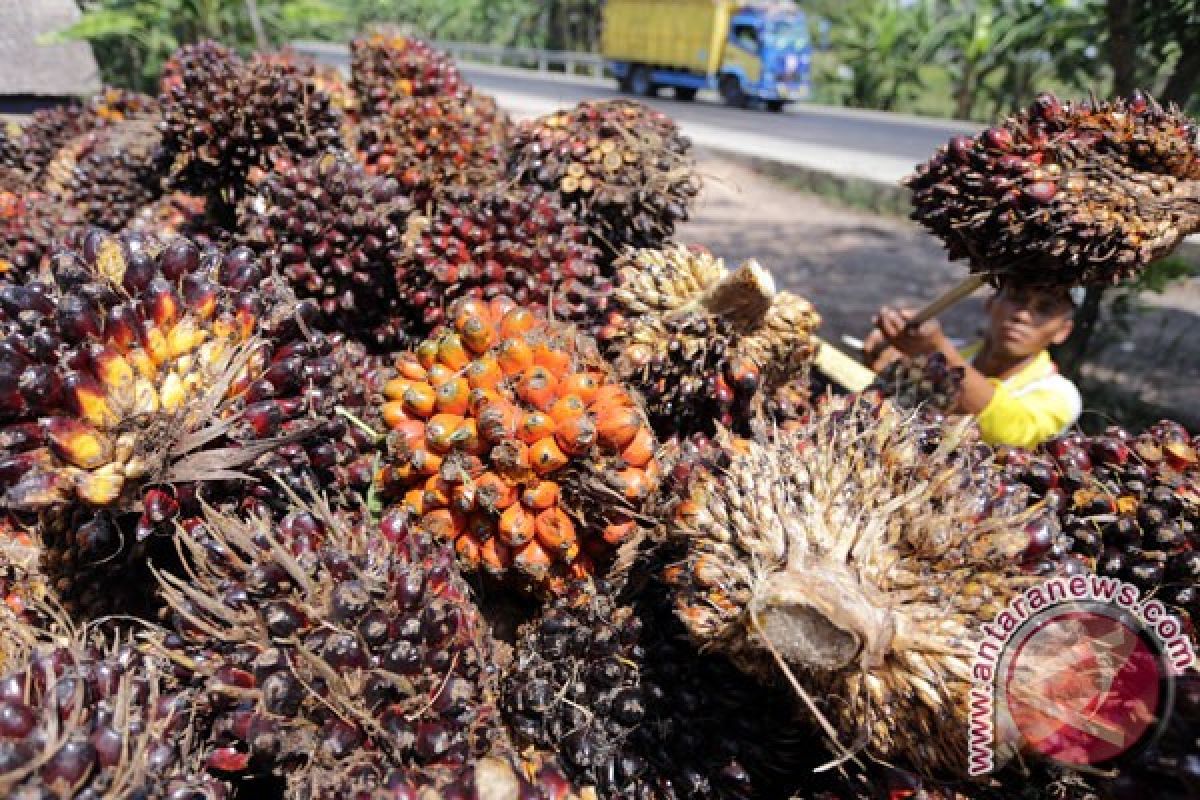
{"type": "Point", "coordinates": [29, 68]}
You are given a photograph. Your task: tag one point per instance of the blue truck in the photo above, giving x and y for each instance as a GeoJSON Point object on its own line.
{"type": "Point", "coordinates": [746, 51]}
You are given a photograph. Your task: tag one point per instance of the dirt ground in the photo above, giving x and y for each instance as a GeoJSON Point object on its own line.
{"type": "Point", "coordinates": [849, 262]}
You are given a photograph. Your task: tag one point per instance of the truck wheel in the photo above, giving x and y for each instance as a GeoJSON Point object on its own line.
{"type": "Point", "coordinates": [775, 105]}
{"type": "Point", "coordinates": [639, 82]}
{"type": "Point", "coordinates": [731, 91]}
{"type": "Point", "coordinates": [685, 93]}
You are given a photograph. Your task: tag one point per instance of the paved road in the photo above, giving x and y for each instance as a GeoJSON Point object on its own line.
{"type": "Point", "coordinates": [907, 138]}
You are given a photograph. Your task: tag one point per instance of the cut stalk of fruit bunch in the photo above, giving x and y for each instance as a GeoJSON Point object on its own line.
{"type": "Point", "coordinates": [137, 379]}
{"type": "Point", "coordinates": [1064, 194]}
{"type": "Point", "coordinates": [704, 344]}
{"type": "Point", "coordinates": [858, 555]}
{"type": "Point", "coordinates": [511, 438]}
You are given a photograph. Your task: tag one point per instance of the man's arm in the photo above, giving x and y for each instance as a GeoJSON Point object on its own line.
{"type": "Point", "coordinates": [977, 390]}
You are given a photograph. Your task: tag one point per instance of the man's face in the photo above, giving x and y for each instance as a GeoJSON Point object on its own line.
{"type": "Point", "coordinates": [1025, 321]}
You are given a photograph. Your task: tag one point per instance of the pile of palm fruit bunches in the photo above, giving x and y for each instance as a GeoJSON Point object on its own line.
{"type": "Point", "coordinates": [358, 443]}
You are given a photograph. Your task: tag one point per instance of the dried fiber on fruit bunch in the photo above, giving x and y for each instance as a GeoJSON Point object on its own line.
{"type": "Point", "coordinates": [1129, 506]}
{"type": "Point", "coordinates": [31, 224]}
{"type": "Point", "coordinates": [620, 166]}
{"type": "Point", "coordinates": [108, 174]}
{"type": "Point", "coordinates": [923, 382]}
{"type": "Point", "coordinates": [511, 438]}
{"type": "Point", "coordinates": [224, 118]}
{"type": "Point", "coordinates": [132, 373]}
{"type": "Point", "coordinates": [704, 344]}
{"type": "Point", "coordinates": [860, 555]}
{"type": "Point", "coordinates": [1062, 194]}
{"type": "Point", "coordinates": [530, 775]}
{"type": "Point", "coordinates": [335, 233]}
{"type": "Point", "coordinates": [484, 243]}
{"type": "Point", "coordinates": [319, 638]}
{"type": "Point", "coordinates": [87, 716]}
{"type": "Point", "coordinates": [386, 67]}
{"type": "Point", "coordinates": [636, 712]}
{"type": "Point", "coordinates": [429, 143]}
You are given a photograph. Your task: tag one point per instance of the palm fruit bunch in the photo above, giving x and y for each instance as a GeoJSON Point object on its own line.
{"type": "Point", "coordinates": [637, 712]}
{"type": "Point", "coordinates": [704, 344]}
{"type": "Point", "coordinates": [31, 223]}
{"type": "Point", "coordinates": [859, 553]}
{"type": "Point", "coordinates": [1065, 194]}
{"type": "Point", "coordinates": [336, 234]}
{"type": "Point", "coordinates": [92, 717]}
{"type": "Point", "coordinates": [429, 143]}
{"type": "Point", "coordinates": [132, 373]}
{"type": "Point", "coordinates": [109, 173]}
{"type": "Point", "coordinates": [487, 242]}
{"type": "Point", "coordinates": [623, 169]}
{"type": "Point", "coordinates": [319, 639]}
{"type": "Point", "coordinates": [1170, 767]}
{"type": "Point", "coordinates": [1129, 505]}
{"type": "Point", "coordinates": [32, 145]}
{"type": "Point", "coordinates": [176, 214]}
{"type": "Point", "coordinates": [386, 67]}
{"type": "Point", "coordinates": [222, 118]}
{"type": "Point", "coordinates": [510, 437]}
{"type": "Point", "coordinates": [924, 382]}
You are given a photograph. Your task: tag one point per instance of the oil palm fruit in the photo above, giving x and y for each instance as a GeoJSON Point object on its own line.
{"type": "Point", "coordinates": [1065, 193]}
{"type": "Point", "coordinates": [429, 143]}
{"type": "Point", "coordinates": [92, 717]}
{"type": "Point", "coordinates": [135, 375]}
{"type": "Point", "coordinates": [620, 166]}
{"type": "Point", "coordinates": [922, 382]}
{"type": "Point", "coordinates": [484, 243]}
{"type": "Point", "coordinates": [511, 439]}
{"type": "Point", "coordinates": [702, 343]}
{"type": "Point", "coordinates": [31, 223]}
{"type": "Point", "coordinates": [320, 638]}
{"type": "Point", "coordinates": [335, 233]}
{"type": "Point", "coordinates": [222, 118]}
{"type": "Point", "coordinates": [637, 712]}
{"type": "Point", "coordinates": [110, 172]}
{"type": "Point", "coordinates": [1129, 505]}
{"type": "Point", "coordinates": [176, 214]}
{"type": "Point", "coordinates": [386, 67]}
{"type": "Point", "coordinates": [22, 584]}
{"type": "Point", "coordinates": [1170, 767]}
{"type": "Point", "coordinates": [861, 553]}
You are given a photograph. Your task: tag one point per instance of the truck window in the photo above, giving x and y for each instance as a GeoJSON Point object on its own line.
{"type": "Point", "coordinates": [746, 37]}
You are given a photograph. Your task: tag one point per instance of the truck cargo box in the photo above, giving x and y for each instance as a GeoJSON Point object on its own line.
{"type": "Point", "coordinates": [682, 34]}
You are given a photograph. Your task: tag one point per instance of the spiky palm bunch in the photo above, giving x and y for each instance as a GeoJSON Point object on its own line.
{"type": "Point", "coordinates": [31, 223]}
{"type": "Point", "coordinates": [1063, 194]}
{"type": "Point", "coordinates": [925, 381]}
{"type": "Point", "coordinates": [705, 345]}
{"type": "Point", "coordinates": [388, 67]}
{"type": "Point", "coordinates": [861, 553]}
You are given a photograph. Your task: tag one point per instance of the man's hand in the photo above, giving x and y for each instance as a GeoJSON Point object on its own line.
{"type": "Point", "coordinates": [924, 338]}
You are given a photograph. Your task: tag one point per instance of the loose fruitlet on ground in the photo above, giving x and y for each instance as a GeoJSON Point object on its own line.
{"type": "Point", "coordinates": [864, 554]}
{"type": "Point", "coordinates": [485, 243]}
{"type": "Point", "coordinates": [1065, 194]}
{"type": "Point", "coordinates": [511, 439]}
{"type": "Point", "coordinates": [320, 637]}
{"type": "Point", "coordinates": [703, 344]}
{"type": "Point", "coordinates": [620, 166]}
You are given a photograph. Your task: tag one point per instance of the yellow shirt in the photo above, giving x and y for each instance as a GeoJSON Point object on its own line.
{"type": "Point", "coordinates": [1032, 406]}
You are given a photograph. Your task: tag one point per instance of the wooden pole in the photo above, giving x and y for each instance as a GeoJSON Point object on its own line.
{"type": "Point", "coordinates": [948, 299]}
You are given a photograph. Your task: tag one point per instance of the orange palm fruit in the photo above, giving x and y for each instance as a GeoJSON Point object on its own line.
{"type": "Point", "coordinates": [493, 492]}
{"type": "Point", "coordinates": [545, 456]}
{"type": "Point", "coordinates": [640, 451]}
{"type": "Point", "coordinates": [516, 526]}
{"type": "Point", "coordinates": [463, 497]}
{"type": "Point", "coordinates": [477, 335]}
{"type": "Point", "coordinates": [516, 322]}
{"type": "Point", "coordinates": [610, 395]}
{"type": "Point", "coordinates": [512, 460]}
{"type": "Point", "coordinates": [410, 367]}
{"type": "Point", "coordinates": [540, 496]}
{"type": "Point", "coordinates": [484, 372]}
{"type": "Point", "coordinates": [468, 549]}
{"type": "Point", "coordinates": [444, 523]}
{"type": "Point", "coordinates": [395, 388]}
{"type": "Point", "coordinates": [451, 351]}
{"type": "Point", "coordinates": [111, 368]}
{"type": "Point", "coordinates": [396, 418]}
{"type": "Point", "coordinates": [514, 356]}
{"type": "Point", "coordinates": [537, 387]}
{"type": "Point", "coordinates": [556, 360]}
{"type": "Point", "coordinates": [496, 555]}
{"type": "Point", "coordinates": [499, 422]}
{"type": "Point", "coordinates": [420, 399]}
{"type": "Point", "coordinates": [617, 427]}
{"type": "Point", "coordinates": [466, 439]}
{"type": "Point", "coordinates": [451, 396]}
{"type": "Point", "coordinates": [427, 353]}
{"type": "Point", "coordinates": [615, 533]}
{"type": "Point", "coordinates": [633, 483]}
{"type": "Point", "coordinates": [533, 560]}
{"type": "Point", "coordinates": [470, 308]}
{"type": "Point", "coordinates": [583, 385]}
{"type": "Point", "coordinates": [439, 374]}
{"type": "Point", "coordinates": [439, 430]}
{"type": "Point", "coordinates": [567, 406]}
{"type": "Point", "coordinates": [437, 492]}
{"type": "Point", "coordinates": [576, 435]}
{"type": "Point", "coordinates": [412, 501]}
{"type": "Point", "coordinates": [424, 462]}
{"type": "Point", "coordinates": [534, 425]}
{"type": "Point", "coordinates": [556, 532]}
{"type": "Point", "coordinates": [75, 441]}
{"type": "Point", "coordinates": [479, 399]}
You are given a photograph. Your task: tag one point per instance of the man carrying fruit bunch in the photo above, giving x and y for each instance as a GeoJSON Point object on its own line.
{"type": "Point", "coordinates": [1010, 383]}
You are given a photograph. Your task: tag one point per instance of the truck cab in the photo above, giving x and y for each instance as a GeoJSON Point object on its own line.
{"type": "Point", "coordinates": [767, 57]}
